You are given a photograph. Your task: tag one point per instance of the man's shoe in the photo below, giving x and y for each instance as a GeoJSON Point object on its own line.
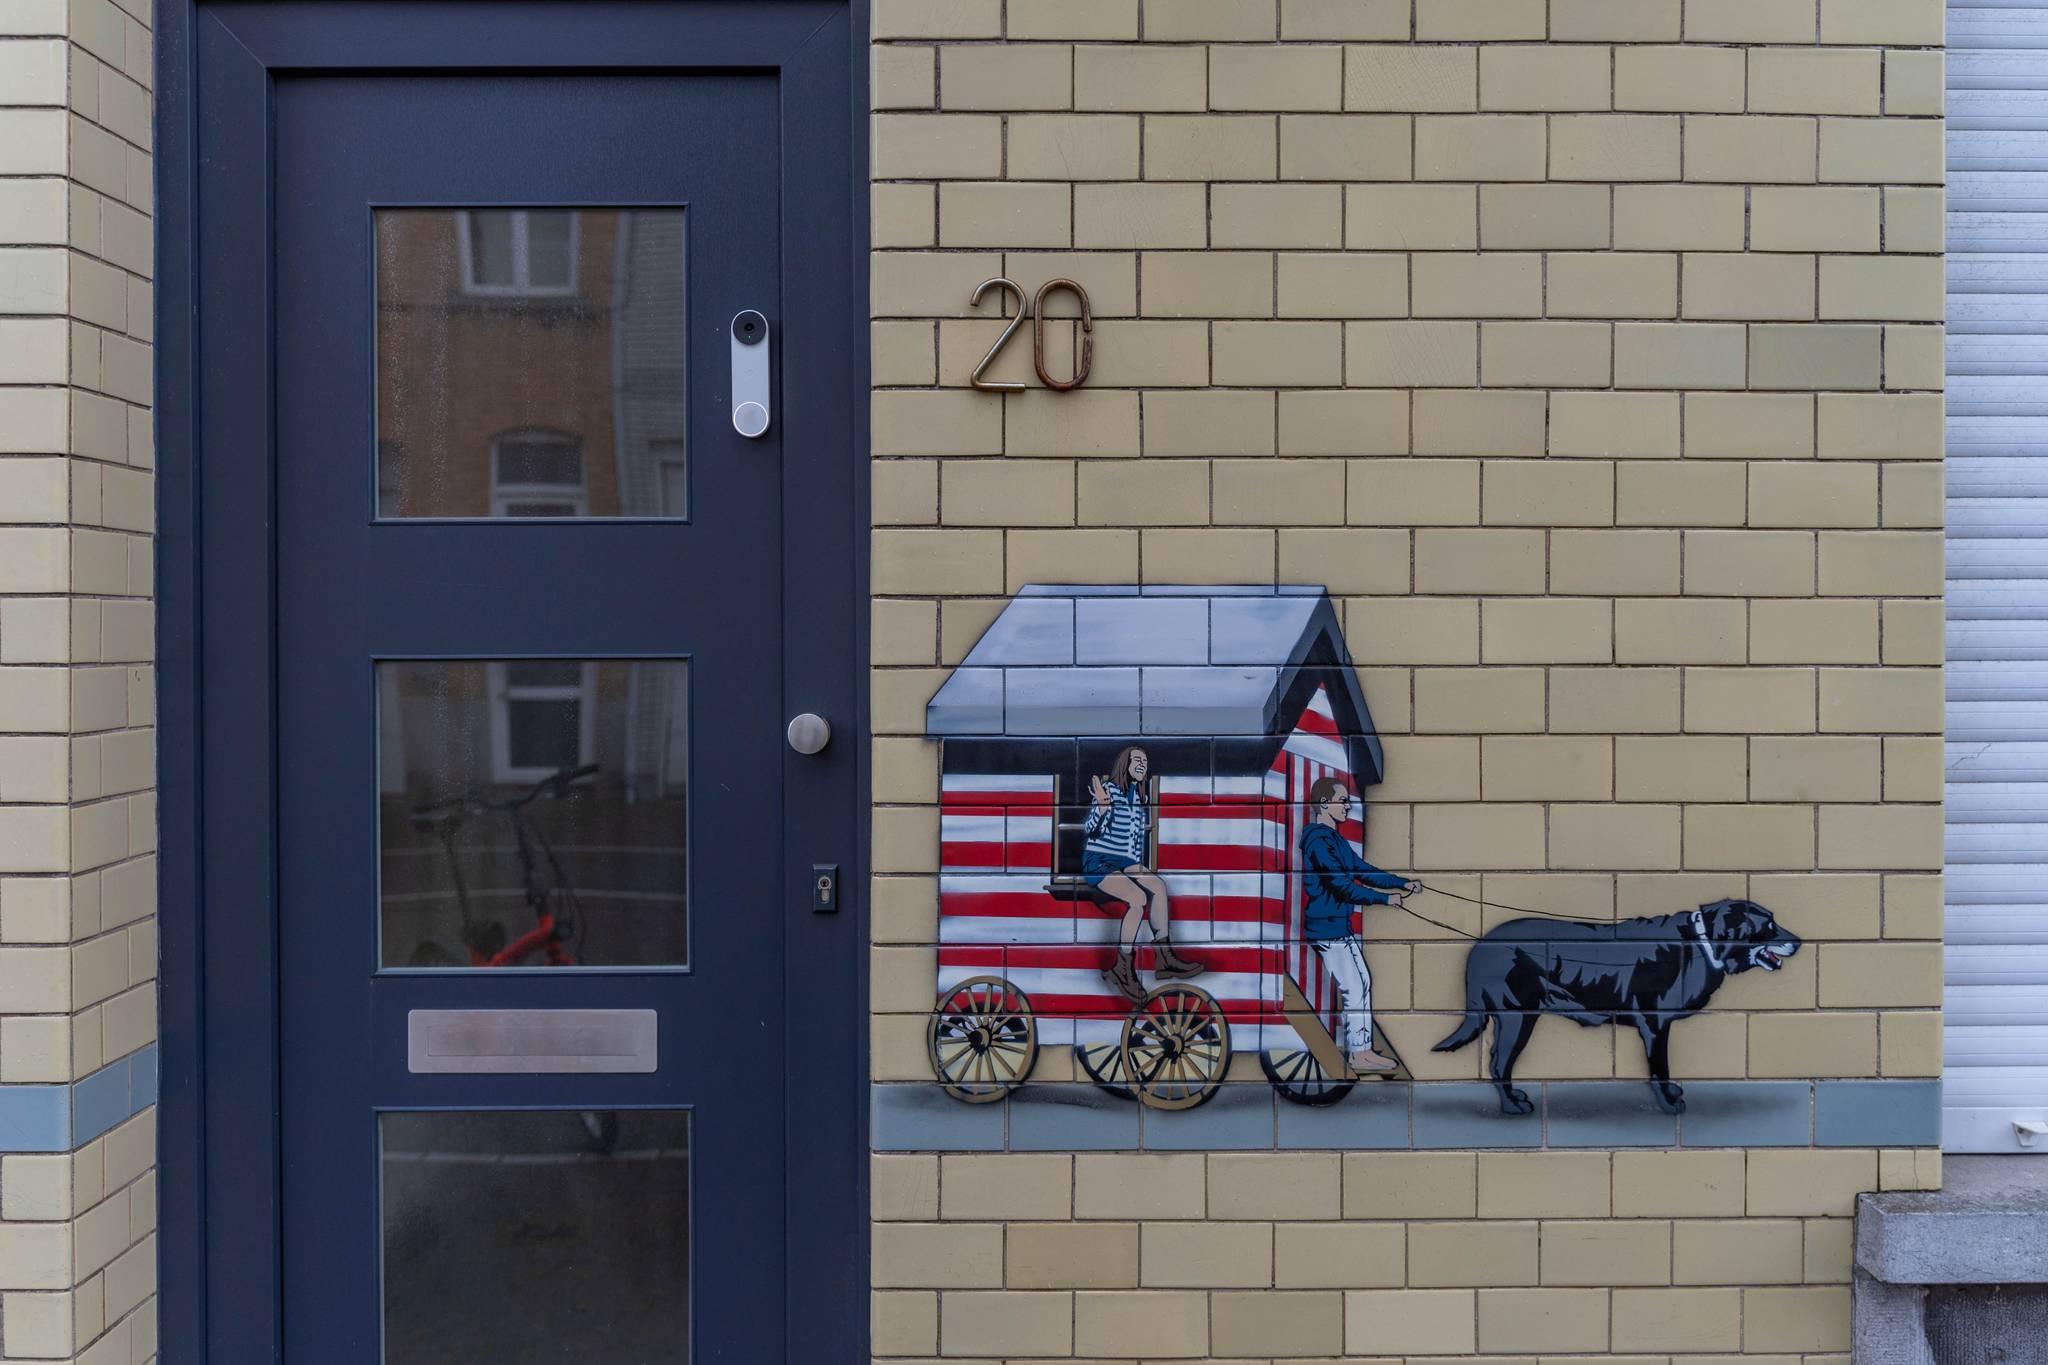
{"type": "Point", "coordinates": [1168, 965]}
{"type": "Point", "coordinates": [1123, 978]}
{"type": "Point", "coordinates": [1370, 1061]}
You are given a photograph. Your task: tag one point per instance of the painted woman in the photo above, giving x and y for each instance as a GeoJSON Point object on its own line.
{"type": "Point", "coordinates": [1118, 830]}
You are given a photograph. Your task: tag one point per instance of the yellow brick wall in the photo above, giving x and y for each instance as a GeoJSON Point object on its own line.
{"type": "Point", "coordinates": [77, 703]}
{"type": "Point", "coordinates": [1590, 352]}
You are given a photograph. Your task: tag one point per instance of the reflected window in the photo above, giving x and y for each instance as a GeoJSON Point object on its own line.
{"type": "Point", "coordinates": [533, 813]}
{"type": "Point", "coordinates": [519, 251]}
{"type": "Point", "coordinates": [538, 1235]}
{"type": "Point", "coordinates": [532, 364]}
{"type": "Point", "coordinates": [537, 474]}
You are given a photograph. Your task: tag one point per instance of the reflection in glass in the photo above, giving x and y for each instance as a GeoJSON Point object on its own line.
{"type": "Point", "coordinates": [531, 363]}
{"type": "Point", "coordinates": [533, 812]}
{"type": "Point", "coordinates": [523, 1238]}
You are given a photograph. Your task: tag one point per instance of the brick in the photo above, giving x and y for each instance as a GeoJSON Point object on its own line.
{"type": "Point", "coordinates": [1207, 20]}
{"type": "Point", "coordinates": [913, 562]}
{"type": "Point", "coordinates": [1702, 1184]}
{"type": "Point", "coordinates": [1813, 218]}
{"type": "Point", "coordinates": [1206, 1255]}
{"type": "Point", "coordinates": [1210, 147]}
{"type": "Point", "coordinates": [1411, 79]}
{"type": "Point", "coordinates": [1003, 215]}
{"type": "Point", "coordinates": [1678, 218]}
{"type": "Point", "coordinates": [1073, 147]}
{"type": "Point", "coordinates": [1208, 422]}
{"type": "Point", "coordinates": [1749, 563]}
{"type": "Point", "coordinates": [1141, 78]}
{"type": "Point", "coordinates": [1677, 1319]}
{"type": "Point", "coordinates": [1808, 1183]}
{"type": "Point", "coordinates": [1749, 21]}
{"type": "Point", "coordinates": [1913, 83]}
{"type": "Point", "coordinates": [1479, 561]}
{"type": "Point", "coordinates": [1911, 632]}
{"type": "Point", "coordinates": [1150, 355]}
{"type": "Point", "coordinates": [1905, 22]}
{"type": "Point", "coordinates": [1907, 288]}
{"type": "Point", "coordinates": [1611, 562]}
{"type": "Point", "coordinates": [1607, 1253]}
{"type": "Point", "coordinates": [1749, 700]}
{"type": "Point", "coordinates": [1346, 561]}
{"type": "Point", "coordinates": [1525, 217]}
{"type": "Point", "coordinates": [938, 1255]}
{"type": "Point", "coordinates": [1144, 493]}
{"type": "Point", "coordinates": [1009, 1322]}
{"type": "Point", "coordinates": [1546, 77]}
{"type": "Point", "coordinates": [1836, 1043]}
{"type": "Point", "coordinates": [1275, 216]}
{"type": "Point", "coordinates": [1268, 1320]}
{"type": "Point", "coordinates": [1008, 492]}
{"type": "Point", "coordinates": [938, 19]}
{"type": "Point", "coordinates": [1696, 632]}
{"type": "Point", "coordinates": [1070, 1255]}
{"type": "Point", "coordinates": [1911, 495]}
{"type": "Point", "coordinates": [1610, 285]}
{"type": "Point", "coordinates": [1876, 837]}
{"type": "Point", "coordinates": [1100, 423]}
{"type": "Point", "coordinates": [1548, 493]}
{"type": "Point", "coordinates": [1140, 1187]}
{"type": "Point", "coordinates": [1822, 356]}
{"type": "Point", "coordinates": [1547, 630]}
{"type": "Point", "coordinates": [1299, 354]}
{"type": "Point", "coordinates": [1613, 147]}
{"type": "Point", "coordinates": [926, 423]}
{"type": "Point", "coordinates": [1209, 284]}
{"type": "Point", "coordinates": [1545, 768]}
{"type": "Point", "coordinates": [1449, 1255]}
{"type": "Point", "coordinates": [1748, 426]}
{"type": "Point", "coordinates": [1410, 1321]}
{"type": "Point", "coordinates": [1737, 1252]}
{"type": "Point", "coordinates": [1880, 975]}
{"type": "Point", "coordinates": [1705, 80]}
{"type": "Point", "coordinates": [1295, 1186]}
{"type": "Point", "coordinates": [1469, 147]}
{"type": "Point", "coordinates": [1811, 1318]}
{"type": "Point", "coordinates": [1278, 492]}
{"type": "Point", "coordinates": [1813, 81]}
{"type": "Point", "coordinates": [1344, 147]}
{"type": "Point", "coordinates": [1342, 285]}
{"type": "Point", "coordinates": [1748, 285]}
{"type": "Point", "coordinates": [1141, 216]}
{"type": "Point", "coordinates": [1206, 556]}
{"type": "Point", "coordinates": [1007, 77]}
{"type": "Point", "coordinates": [1489, 284]}
{"type": "Point", "coordinates": [1660, 355]}
{"type": "Point", "coordinates": [1482, 837]}
{"type": "Point", "coordinates": [1543, 1184]}
{"type": "Point", "coordinates": [1543, 1320]}
{"type": "Point", "coordinates": [1834, 494]}
{"type": "Point", "coordinates": [1748, 837]}
{"type": "Point", "coordinates": [906, 492]}
{"type": "Point", "coordinates": [1099, 19]}
{"type": "Point", "coordinates": [1405, 217]}
{"type": "Point", "coordinates": [1880, 563]}
{"type": "Point", "coordinates": [1614, 701]}
{"type": "Point", "coordinates": [1546, 354]}
{"type": "Point", "coordinates": [1816, 632]}
{"type": "Point", "coordinates": [1353, 423]}
{"type": "Point", "coordinates": [1453, 20]}
{"type": "Point", "coordinates": [1360, 19]}
{"type": "Point", "coordinates": [1609, 425]}
{"type": "Point", "coordinates": [904, 216]}
{"type": "Point", "coordinates": [1637, 837]}
{"type": "Point", "coordinates": [1337, 1255]}
{"type": "Point", "coordinates": [1913, 219]}
{"type": "Point", "coordinates": [1293, 77]}
{"type": "Point", "coordinates": [1881, 150]}
{"type": "Point", "coordinates": [1411, 354]}
{"type": "Point", "coordinates": [1750, 149]}
{"type": "Point", "coordinates": [1418, 630]}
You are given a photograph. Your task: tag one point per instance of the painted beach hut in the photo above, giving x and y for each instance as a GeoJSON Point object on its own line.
{"type": "Point", "coordinates": [1241, 697]}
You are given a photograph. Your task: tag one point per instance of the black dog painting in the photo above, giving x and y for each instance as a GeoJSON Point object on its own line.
{"type": "Point", "coordinates": [1648, 973]}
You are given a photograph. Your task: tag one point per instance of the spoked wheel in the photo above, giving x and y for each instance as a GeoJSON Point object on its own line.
{"type": "Point", "coordinates": [1176, 1048]}
{"type": "Point", "coordinates": [982, 1039]}
{"type": "Point", "coordinates": [1104, 1065]}
{"type": "Point", "coordinates": [1297, 1074]}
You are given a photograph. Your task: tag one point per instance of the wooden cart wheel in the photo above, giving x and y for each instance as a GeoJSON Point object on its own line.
{"type": "Point", "coordinates": [1104, 1065]}
{"type": "Point", "coordinates": [1297, 1074]}
{"type": "Point", "coordinates": [1176, 1047]}
{"type": "Point", "coordinates": [982, 1039]}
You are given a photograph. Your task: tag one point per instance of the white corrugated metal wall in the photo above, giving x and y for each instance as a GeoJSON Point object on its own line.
{"type": "Point", "coordinates": [1995, 1065]}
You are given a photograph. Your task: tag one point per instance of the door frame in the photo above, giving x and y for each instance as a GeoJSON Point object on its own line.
{"type": "Point", "coordinates": [218, 1143]}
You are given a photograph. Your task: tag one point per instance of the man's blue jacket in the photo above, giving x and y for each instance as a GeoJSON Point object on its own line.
{"type": "Point", "coordinates": [1335, 879]}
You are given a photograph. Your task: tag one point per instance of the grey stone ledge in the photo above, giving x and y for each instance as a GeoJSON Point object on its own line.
{"type": "Point", "coordinates": [1987, 1225]}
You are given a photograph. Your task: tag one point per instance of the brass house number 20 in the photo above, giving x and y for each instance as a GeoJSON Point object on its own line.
{"type": "Point", "coordinates": [1033, 310]}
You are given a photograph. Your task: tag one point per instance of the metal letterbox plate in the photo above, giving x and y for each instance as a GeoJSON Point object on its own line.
{"type": "Point", "coordinates": [530, 1042]}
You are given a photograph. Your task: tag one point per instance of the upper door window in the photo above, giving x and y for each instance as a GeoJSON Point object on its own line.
{"type": "Point", "coordinates": [531, 363]}
{"type": "Point", "coordinates": [519, 251]}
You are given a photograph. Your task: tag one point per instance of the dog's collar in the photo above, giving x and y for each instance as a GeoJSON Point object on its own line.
{"type": "Point", "coordinates": [1699, 931]}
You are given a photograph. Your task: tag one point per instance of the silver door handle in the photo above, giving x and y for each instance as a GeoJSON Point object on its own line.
{"type": "Point", "coordinates": [750, 412]}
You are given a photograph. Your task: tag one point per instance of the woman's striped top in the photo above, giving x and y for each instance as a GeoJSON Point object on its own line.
{"type": "Point", "coordinates": [1119, 829]}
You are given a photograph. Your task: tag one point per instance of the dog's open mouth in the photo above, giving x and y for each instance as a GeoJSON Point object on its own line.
{"type": "Point", "coordinates": [1770, 959]}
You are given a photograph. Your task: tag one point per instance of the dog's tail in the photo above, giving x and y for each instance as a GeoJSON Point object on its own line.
{"type": "Point", "coordinates": [1475, 1021]}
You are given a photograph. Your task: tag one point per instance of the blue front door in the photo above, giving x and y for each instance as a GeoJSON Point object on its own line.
{"type": "Point", "coordinates": [541, 857]}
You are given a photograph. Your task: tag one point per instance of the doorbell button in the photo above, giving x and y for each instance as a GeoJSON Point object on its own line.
{"type": "Point", "coordinates": [750, 410]}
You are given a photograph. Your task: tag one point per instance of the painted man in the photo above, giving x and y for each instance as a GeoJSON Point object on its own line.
{"type": "Point", "coordinates": [1334, 880]}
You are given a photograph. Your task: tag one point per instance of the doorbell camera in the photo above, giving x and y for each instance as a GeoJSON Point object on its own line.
{"type": "Point", "coordinates": [750, 412]}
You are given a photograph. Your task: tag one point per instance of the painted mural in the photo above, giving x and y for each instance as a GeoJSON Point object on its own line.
{"type": "Point", "coordinates": [1153, 833]}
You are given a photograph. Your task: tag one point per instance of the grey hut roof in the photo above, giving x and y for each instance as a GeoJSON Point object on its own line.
{"type": "Point", "coordinates": [1067, 660]}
